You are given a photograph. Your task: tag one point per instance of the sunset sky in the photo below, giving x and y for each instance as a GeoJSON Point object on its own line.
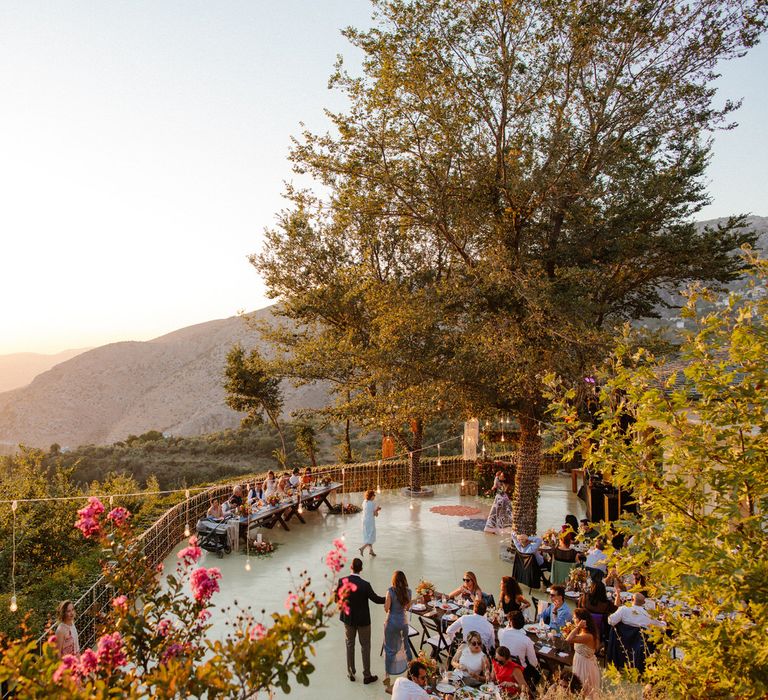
{"type": "Point", "coordinates": [144, 149]}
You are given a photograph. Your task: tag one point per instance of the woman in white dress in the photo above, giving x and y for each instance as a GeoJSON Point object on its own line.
{"type": "Point", "coordinates": [370, 513]}
{"type": "Point", "coordinates": [586, 641]}
{"type": "Point", "coordinates": [471, 660]}
{"type": "Point", "coordinates": [500, 516]}
{"type": "Point", "coordinates": [269, 487]}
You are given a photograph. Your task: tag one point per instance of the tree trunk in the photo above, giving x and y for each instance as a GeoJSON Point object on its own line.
{"type": "Point", "coordinates": [414, 461]}
{"type": "Point", "coordinates": [347, 443]}
{"type": "Point", "coordinates": [525, 500]}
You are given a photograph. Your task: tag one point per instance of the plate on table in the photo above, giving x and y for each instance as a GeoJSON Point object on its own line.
{"type": "Point", "coordinates": [445, 688]}
{"type": "Point", "coordinates": [534, 627]}
{"type": "Point", "coordinates": [418, 607]}
{"type": "Point", "coordinates": [448, 607]}
{"type": "Point", "coordinates": [572, 594]}
{"type": "Point", "coordinates": [466, 693]}
{"type": "Point", "coordinates": [450, 617]}
{"type": "Point", "coordinates": [487, 688]}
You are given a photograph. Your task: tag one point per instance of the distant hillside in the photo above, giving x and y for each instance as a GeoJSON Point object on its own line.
{"type": "Point", "coordinates": [172, 383]}
{"type": "Point", "coordinates": [20, 368]}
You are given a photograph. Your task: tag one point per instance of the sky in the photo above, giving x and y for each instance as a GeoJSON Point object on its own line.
{"type": "Point", "coordinates": [143, 150]}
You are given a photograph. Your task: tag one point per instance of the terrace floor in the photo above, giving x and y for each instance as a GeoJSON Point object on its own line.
{"type": "Point", "coordinates": [421, 543]}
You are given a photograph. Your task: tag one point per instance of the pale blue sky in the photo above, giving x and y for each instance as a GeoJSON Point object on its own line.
{"type": "Point", "coordinates": [143, 149]}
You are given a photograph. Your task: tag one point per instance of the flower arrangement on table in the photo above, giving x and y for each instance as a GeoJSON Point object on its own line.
{"type": "Point", "coordinates": [567, 628]}
{"type": "Point", "coordinates": [432, 667]}
{"type": "Point", "coordinates": [425, 589]}
{"type": "Point", "coordinates": [577, 579]}
{"type": "Point", "coordinates": [550, 537]}
{"type": "Point", "coordinates": [263, 548]}
{"type": "Point", "coordinates": [346, 509]}
{"type": "Point", "coordinates": [273, 500]}
{"type": "Point", "coordinates": [325, 481]}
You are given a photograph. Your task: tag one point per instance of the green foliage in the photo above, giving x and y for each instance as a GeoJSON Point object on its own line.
{"type": "Point", "coordinates": [691, 444]}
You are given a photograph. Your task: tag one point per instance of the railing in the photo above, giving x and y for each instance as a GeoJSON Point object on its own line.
{"type": "Point", "coordinates": [160, 538]}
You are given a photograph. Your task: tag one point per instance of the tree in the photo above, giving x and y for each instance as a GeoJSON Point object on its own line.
{"type": "Point", "coordinates": [694, 455]}
{"type": "Point", "coordinates": [252, 388]}
{"type": "Point", "coordinates": [510, 182]}
{"type": "Point", "coordinates": [306, 441]}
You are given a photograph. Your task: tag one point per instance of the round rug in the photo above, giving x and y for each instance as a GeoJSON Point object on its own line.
{"type": "Point", "coordinates": [454, 510]}
{"type": "Point", "coordinates": [476, 524]}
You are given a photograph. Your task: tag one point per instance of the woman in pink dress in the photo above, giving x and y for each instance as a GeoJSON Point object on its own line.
{"type": "Point", "coordinates": [67, 641]}
{"type": "Point", "coordinates": [586, 641]}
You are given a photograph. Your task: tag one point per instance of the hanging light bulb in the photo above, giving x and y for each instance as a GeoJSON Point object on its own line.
{"type": "Point", "coordinates": [14, 505]}
{"type": "Point", "coordinates": [462, 481]}
{"type": "Point", "coordinates": [378, 488]}
{"type": "Point", "coordinates": [411, 505]}
{"type": "Point", "coordinates": [300, 509]}
{"type": "Point", "coordinates": [343, 536]}
{"type": "Point", "coordinates": [248, 564]}
{"type": "Point", "coordinates": [14, 607]}
{"type": "Point", "coordinates": [111, 501]}
{"type": "Point", "coordinates": [186, 493]}
{"type": "Point", "coordinates": [186, 530]}
{"type": "Point", "coordinates": [439, 462]}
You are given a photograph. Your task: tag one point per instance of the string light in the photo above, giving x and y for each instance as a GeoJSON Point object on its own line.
{"type": "Point", "coordinates": [186, 525]}
{"type": "Point", "coordinates": [248, 564]}
{"type": "Point", "coordinates": [378, 477]}
{"type": "Point", "coordinates": [111, 501]}
{"type": "Point", "coordinates": [439, 462]}
{"type": "Point", "coordinates": [248, 542]}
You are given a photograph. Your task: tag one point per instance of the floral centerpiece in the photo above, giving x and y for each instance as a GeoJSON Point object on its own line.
{"type": "Point", "coordinates": [346, 509]}
{"type": "Point", "coordinates": [567, 628]}
{"type": "Point", "coordinates": [577, 579]}
{"type": "Point", "coordinates": [432, 667]}
{"type": "Point", "coordinates": [425, 589]}
{"type": "Point", "coordinates": [273, 500]}
{"type": "Point", "coordinates": [325, 481]}
{"type": "Point", "coordinates": [263, 548]}
{"type": "Point", "coordinates": [550, 537]}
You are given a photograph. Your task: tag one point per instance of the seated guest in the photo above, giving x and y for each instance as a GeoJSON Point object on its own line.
{"type": "Point", "coordinates": [475, 622]}
{"type": "Point", "coordinates": [214, 510]}
{"type": "Point", "coordinates": [596, 562]}
{"type": "Point", "coordinates": [511, 597]}
{"type": "Point", "coordinates": [412, 687]}
{"type": "Point", "coordinates": [471, 660]}
{"type": "Point", "coordinates": [526, 544]}
{"type": "Point", "coordinates": [567, 536]}
{"type": "Point", "coordinates": [236, 499]}
{"type": "Point", "coordinates": [269, 487]}
{"type": "Point", "coordinates": [595, 600]}
{"type": "Point", "coordinates": [470, 588]}
{"type": "Point", "coordinates": [283, 483]}
{"type": "Point", "coordinates": [307, 478]}
{"type": "Point", "coordinates": [295, 478]}
{"type": "Point", "coordinates": [506, 673]}
{"type": "Point", "coordinates": [586, 530]}
{"type": "Point", "coordinates": [563, 551]}
{"type": "Point", "coordinates": [557, 612]}
{"type": "Point", "coordinates": [514, 638]}
{"type": "Point", "coordinates": [634, 615]}
{"type": "Point", "coordinates": [254, 492]}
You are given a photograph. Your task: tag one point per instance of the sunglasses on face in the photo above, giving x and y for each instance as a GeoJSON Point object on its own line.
{"type": "Point", "coordinates": [467, 580]}
{"type": "Point", "coordinates": [475, 644]}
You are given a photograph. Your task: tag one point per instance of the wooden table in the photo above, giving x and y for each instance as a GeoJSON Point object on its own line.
{"type": "Point", "coordinates": [281, 513]}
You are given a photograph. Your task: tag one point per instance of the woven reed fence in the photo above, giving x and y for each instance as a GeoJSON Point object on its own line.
{"type": "Point", "coordinates": [160, 538]}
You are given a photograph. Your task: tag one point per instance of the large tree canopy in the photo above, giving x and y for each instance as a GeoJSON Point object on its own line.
{"type": "Point", "coordinates": [510, 180]}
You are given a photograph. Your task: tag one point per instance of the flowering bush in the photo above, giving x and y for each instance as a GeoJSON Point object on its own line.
{"type": "Point", "coordinates": [154, 636]}
{"type": "Point", "coordinates": [345, 509]}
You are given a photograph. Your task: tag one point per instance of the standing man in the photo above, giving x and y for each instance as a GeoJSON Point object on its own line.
{"type": "Point", "coordinates": [357, 621]}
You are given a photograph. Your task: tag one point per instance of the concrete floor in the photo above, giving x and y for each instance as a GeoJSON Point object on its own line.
{"type": "Point", "coordinates": [421, 543]}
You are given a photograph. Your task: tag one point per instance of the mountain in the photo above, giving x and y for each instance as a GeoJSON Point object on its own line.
{"type": "Point", "coordinates": [20, 368]}
{"type": "Point", "coordinates": [172, 383]}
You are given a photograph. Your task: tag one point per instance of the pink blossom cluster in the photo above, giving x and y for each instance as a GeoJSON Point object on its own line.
{"type": "Point", "coordinates": [110, 651]}
{"type": "Point", "coordinates": [205, 582]}
{"type": "Point", "coordinates": [190, 555]}
{"type": "Point", "coordinates": [172, 651]}
{"type": "Point", "coordinates": [164, 627]}
{"type": "Point", "coordinates": [342, 594]}
{"type": "Point", "coordinates": [335, 559]}
{"type": "Point", "coordinates": [258, 631]}
{"type": "Point", "coordinates": [109, 655]}
{"type": "Point", "coordinates": [120, 604]}
{"type": "Point", "coordinates": [119, 516]}
{"type": "Point", "coordinates": [88, 518]}
{"type": "Point", "coordinates": [292, 602]}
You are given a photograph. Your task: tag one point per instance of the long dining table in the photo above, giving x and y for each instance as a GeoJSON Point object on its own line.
{"type": "Point", "coordinates": [288, 508]}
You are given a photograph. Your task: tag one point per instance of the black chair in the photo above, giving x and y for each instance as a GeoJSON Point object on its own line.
{"type": "Point", "coordinates": [627, 646]}
{"type": "Point", "coordinates": [489, 600]}
{"type": "Point", "coordinates": [527, 570]}
{"type": "Point", "coordinates": [432, 634]}
{"type": "Point", "coordinates": [535, 602]}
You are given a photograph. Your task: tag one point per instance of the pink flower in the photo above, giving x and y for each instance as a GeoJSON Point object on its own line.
{"type": "Point", "coordinates": [205, 582]}
{"type": "Point", "coordinates": [160, 568]}
{"type": "Point", "coordinates": [292, 602]}
{"type": "Point", "coordinates": [110, 652]}
{"type": "Point", "coordinates": [52, 639]}
{"type": "Point", "coordinates": [164, 627]}
{"type": "Point", "coordinates": [119, 516]}
{"type": "Point", "coordinates": [171, 652]}
{"type": "Point", "coordinates": [120, 604]}
{"type": "Point", "coordinates": [338, 543]}
{"type": "Point", "coordinates": [258, 631]}
{"type": "Point", "coordinates": [69, 664]}
{"type": "Point", "coordinates": [190, 555]}
{"type": "Point", "coordinates": [88, 520]}
{"type": "Point", "coordinates": [204, 615]}
{"type": "Point", "coordinates": [335, 560]}
{"type": "Point", "coordinates": [88, 662]}
{"type": "Point", "coordinates": [342, 593]}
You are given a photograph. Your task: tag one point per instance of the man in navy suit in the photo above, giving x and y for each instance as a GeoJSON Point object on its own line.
{"type": "Point", "coordinates": [357, 621]}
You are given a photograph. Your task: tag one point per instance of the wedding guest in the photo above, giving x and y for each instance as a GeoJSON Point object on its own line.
{"type": "Point", "coordinates": [307, 479]}
{"type": "Point", "coordinates": [471, 660]}
{"type": "Point", "coordinates": [506, 673]}
{"type": "Point", "coordinates": [586, 641]}
{"type": "Point", "coordinates": [596, 563]}
{"type": "Point", "coordinates": [475, 622]}
{"type": "Point", "coordinates": [396, 646]}
{"type": "Point", "coordinates": [595, 600]}
{"type": "Point", "coordinates": [370, 513]}
{"type": "Point", "coordinates": [67, 641]}
{"type": "Point", "coordinates": [511, 597]}
{"type": "Point", "coordinates": [634, 615]}
{"type": "Point", "coordinates": [283, 484]}
{"type": "Point", "coordinates": [469, 589]}
{"type": "Point", "coordinates": [563, 551]}
{"type": "Point", "coordinates": [295, 478]}
{"type": "Point", "coordinates": [214, 510]}
{"type": "Point", "coordinates": [269, 487]}
{"type": "Point", "coordinates": [514, 638]}
{"type": "Point", "coordinates": [413, 686]}
{"type": "Point", "coordinates": [526, 544]}
{"type": "Point", "coordinates": [254, 492]}
{"type": "Point", "coordinates": [557, 612]}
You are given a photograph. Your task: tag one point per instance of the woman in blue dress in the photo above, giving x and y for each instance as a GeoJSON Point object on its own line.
{"type": "Point", "coordinates": [397, 651]}
{"type": "Point", "coordinates": [370, 512]}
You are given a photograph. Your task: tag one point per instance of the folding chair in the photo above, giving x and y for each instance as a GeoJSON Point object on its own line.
{"type": "Point", "coordinates": [561, 570]}
{"type": "Point", "coordinates": [433, 635]}
{"type": "Point", "coordinates": [535, 602]}
{"type": "Point", "coordinates": [527, 570]}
